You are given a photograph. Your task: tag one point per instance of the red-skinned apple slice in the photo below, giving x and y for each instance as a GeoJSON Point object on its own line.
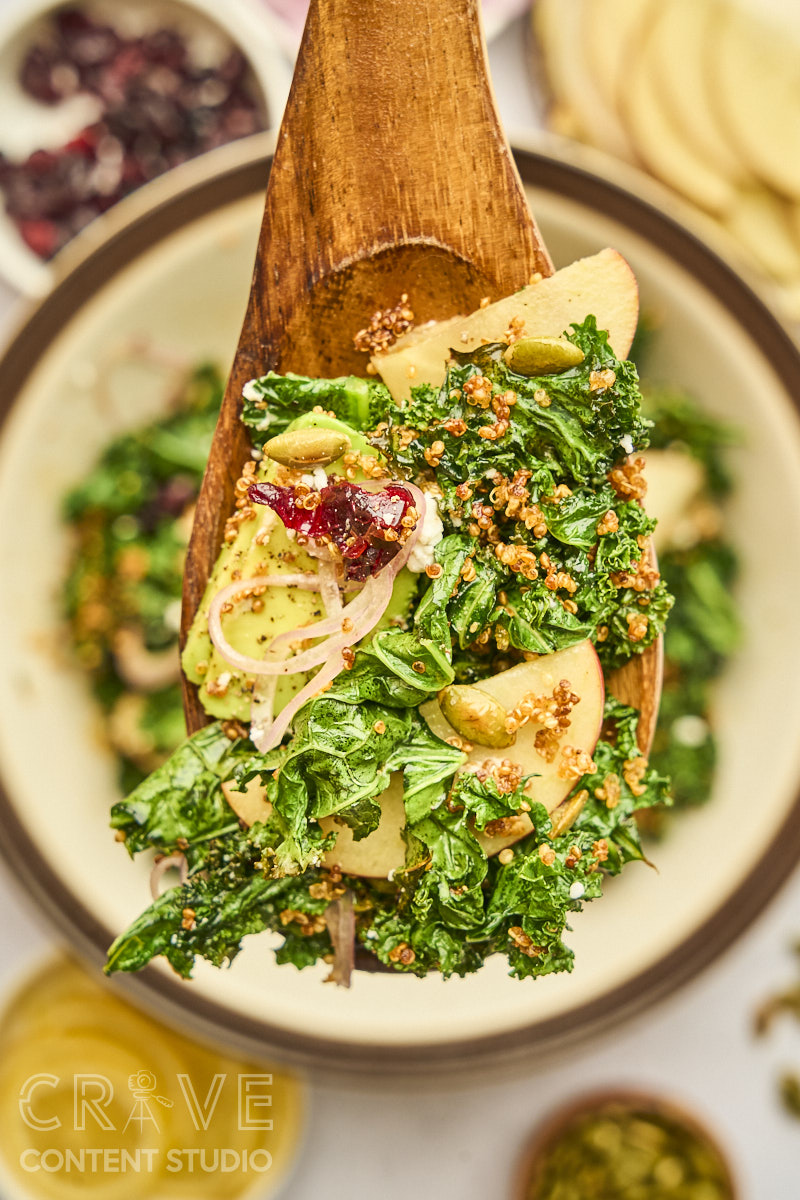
{"type": "Point", "coordinates": [381, 854]}
{"type": "Point", "coordinates": [602, 286]}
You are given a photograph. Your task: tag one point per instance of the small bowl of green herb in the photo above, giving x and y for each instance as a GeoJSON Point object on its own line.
{"type": "Point", "coordinates": [624, 1146]}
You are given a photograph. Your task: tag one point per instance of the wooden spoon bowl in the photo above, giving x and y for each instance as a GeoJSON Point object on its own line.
{"type": "Point", "coordinates": [391, 174]}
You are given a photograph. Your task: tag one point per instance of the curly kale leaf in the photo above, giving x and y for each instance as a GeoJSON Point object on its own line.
{"type": "Point", "coordinates": [572, 423]}
{"type": "Point", "coordinates": [403, 668]}
{"type": "Point", "coordinates": [229, 900]}
{"type": "Point", "coordinates": [181, 805]}
{"type": "Point", "coordinates": [338, 762]}
{"type": "Point", "coordinates": [702, 634]}
{"type": "Point", "coordinates": [272, 402]}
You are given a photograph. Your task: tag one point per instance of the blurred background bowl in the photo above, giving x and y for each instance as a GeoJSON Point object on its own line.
{"type": "Point", "coordinates": [173, 275]}
{"type": "Point", "coordinates": [210, 30]}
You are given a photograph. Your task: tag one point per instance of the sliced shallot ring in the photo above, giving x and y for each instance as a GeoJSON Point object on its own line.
{"type": "Point", "coordinates": [265, 740]}
{"type": "Point", "coordinates": [162, 866]}
{"type": "Point", "coordinates": [304, 661]}
{"type": "Point", "coordinates": [328, 581]}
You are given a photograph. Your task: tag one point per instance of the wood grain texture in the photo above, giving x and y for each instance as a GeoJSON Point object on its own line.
{"type": "Point", "coordinates": [391, 174]}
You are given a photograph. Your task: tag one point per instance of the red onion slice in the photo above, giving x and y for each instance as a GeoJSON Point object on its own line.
{"type": "Point", "coordinates": [340, 919]}
{"type": "Point", "coordinates": [306, 659]}
{"type": "Point", "coordinates": [267, 739]}
{"type": "Point", "coordinates": [361, 616]}
{"type": "Point", "coordinates": [328, 580]}
{"type": "Point", "coordinates": [162, 866]}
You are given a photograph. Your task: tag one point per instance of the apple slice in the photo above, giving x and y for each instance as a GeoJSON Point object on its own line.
{"type": "Point", "coordinates": [558, 25]}
{"type": "Point", "coordinates": [659, 142]}
{"type": "Point", "coordinates": [756, 78]}
{"type": "Point", "coordinates": [581, 667]}
{"type": "Point", "coordinates": [608, 27]}
{"type": "Point", "coordinates": [374, 857]}
{"type": "Point", "coordinates": [681, 40]}
{"type": "Point", "coordinates": [675, 483]}
{"type": "Point", "coordinates": [383, 852]}
{"type": "Point", "coordinates": [251, 805]}
{"type": "Point", "coordinates": [602, 285]}
{"type": "Point", "coordinates": [763, 223]}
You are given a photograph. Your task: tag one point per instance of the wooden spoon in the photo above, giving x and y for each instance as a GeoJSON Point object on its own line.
{"type": "Point", "coordinates": [391, 174]}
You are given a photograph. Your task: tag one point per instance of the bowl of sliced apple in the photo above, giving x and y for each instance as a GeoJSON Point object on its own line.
{"type": "Point", "coordinates": [171, 280]}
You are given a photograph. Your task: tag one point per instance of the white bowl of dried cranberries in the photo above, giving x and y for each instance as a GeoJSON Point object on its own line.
{"type": "Point", "coordinates": [100, 96]}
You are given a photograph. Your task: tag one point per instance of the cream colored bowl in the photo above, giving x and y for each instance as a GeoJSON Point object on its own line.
{"type": "Point", "coordinates": [173, 277]}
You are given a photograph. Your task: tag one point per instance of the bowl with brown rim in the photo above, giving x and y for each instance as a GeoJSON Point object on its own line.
{"type": "Point", "coordinates": [172, 271]}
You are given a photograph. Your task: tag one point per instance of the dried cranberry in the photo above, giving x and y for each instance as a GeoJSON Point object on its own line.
{"type": "Point", "coordinates": [41, 236]}
{"type": "Point", "coordinates": [159, 109]}
{"type": "Point", "coordinates": [354, 520]}
{"type": "Point", "coordinates": [36, 75]}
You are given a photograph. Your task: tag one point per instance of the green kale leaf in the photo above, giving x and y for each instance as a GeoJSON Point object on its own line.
{"type": "Point", "coordinates": [181, 805]}
{"type": "Point", "coordinates": [272, 402]}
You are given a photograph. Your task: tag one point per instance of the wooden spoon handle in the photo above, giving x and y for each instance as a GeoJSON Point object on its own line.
{"type": "Point", "coordinates": [391, 174]}
{"type": "Point", "coordinates": [391, 136]}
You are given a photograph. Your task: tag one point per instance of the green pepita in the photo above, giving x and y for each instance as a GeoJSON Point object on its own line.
{"type": "Point", "coordinates": [476, 715]}
{"type": "Point", "coordinates": [313, 446]}
{"type": "Point", "coordinates": [542, 355]}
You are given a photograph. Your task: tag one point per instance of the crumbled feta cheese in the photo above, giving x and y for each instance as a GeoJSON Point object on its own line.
{"type": "Point", "coordinates": [576, 890]}
{"type": "Point", "coordinates": [626, 443]}
{"type": "Point", "coordinates": [251, 390]}
{"type": "Point", "coordinates": [316, 479]}
{"type": "Point", "coordinates": [690, 730]}
{"type": "Point", "coordinates": [430, 535]}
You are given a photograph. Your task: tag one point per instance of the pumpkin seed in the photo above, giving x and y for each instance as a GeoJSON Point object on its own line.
{"type": "Point", "coordinates": [476, 715]}
{"type": "Point", "coordinates": [313, 446]}
{"type": "Point", "coordinates": [542, 355]}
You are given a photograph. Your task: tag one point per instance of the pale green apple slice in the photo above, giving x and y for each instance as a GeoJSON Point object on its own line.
{"type": "Point", "coordinates": [756, 82]}
{"type": "Point", "coordinates": [383, 852]}
{"type": "Point", "coordinates": [558, 25]}
{"type": "Point", "coordinates": [660, 143]}
{"type": "Point", "coordinates": [603, 286]}
{"type": "Point", "coordinates": [681, 40]}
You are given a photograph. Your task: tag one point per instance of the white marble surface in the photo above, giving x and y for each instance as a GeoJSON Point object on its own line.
{"type": "Point", "coordinates": [461, 1140]}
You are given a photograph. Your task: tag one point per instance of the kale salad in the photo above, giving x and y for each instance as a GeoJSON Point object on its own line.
{"type": "Point", "coordinates": [130, 519]}
{"type": "Point", "coordinates": [402, 651]}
